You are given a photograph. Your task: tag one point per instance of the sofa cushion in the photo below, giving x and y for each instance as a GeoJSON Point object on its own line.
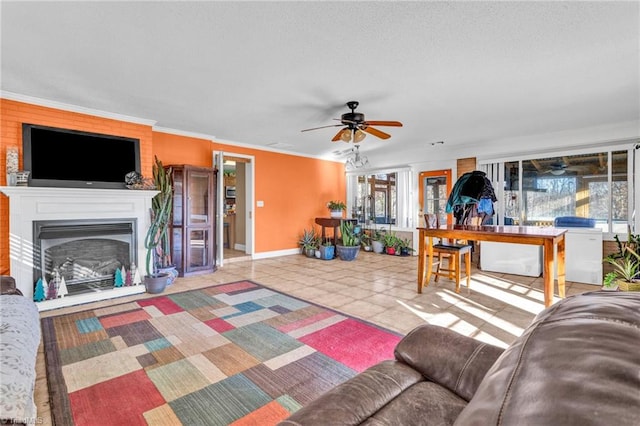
{"type": "Point", "coordinates": [578, 363]}
{"type": "Point", "coordinates": [448, 358]}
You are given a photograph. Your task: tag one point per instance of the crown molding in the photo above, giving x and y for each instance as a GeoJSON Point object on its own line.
{"type": "Point", "coordinates": [183, 133]}
{"type": "Point", "coordinates": [74, 108]}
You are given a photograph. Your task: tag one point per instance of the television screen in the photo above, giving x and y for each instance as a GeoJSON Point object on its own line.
{"type": "Point", "coordinates": [69, 158]}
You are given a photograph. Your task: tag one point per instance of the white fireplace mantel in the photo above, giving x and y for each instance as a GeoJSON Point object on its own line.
{"type": "Point", "coordinates": [29, 204]}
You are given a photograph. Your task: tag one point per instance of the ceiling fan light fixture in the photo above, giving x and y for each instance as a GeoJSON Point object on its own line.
{"type": "Point", "coordinates": [345, 135]}
{"type": "Point", "coordinates": [358, 136]}
{"type": "Point", "coordinates": [557, 172]}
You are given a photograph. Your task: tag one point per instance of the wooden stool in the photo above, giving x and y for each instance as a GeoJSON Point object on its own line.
{"type": "Point", "coordinates": [452, 252]}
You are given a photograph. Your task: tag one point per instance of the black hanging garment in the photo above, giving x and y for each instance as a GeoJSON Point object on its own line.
{"type": "Point", "coordinates": [472, 196]}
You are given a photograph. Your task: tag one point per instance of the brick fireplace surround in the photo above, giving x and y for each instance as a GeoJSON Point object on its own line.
{"type": "Point", "coordinates": [29, 204]}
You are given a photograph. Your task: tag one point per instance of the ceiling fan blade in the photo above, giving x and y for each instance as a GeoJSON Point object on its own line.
{"type": "Point", "coordinates": [321, 127]}
{"type": "Point", "coordinates": [375, 132]}
{"type": "Point", "coordinates": [384, 123]}
{"type": "Point", "coordinates": [336, 138]}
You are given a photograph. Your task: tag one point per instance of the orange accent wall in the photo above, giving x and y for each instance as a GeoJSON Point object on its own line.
{"type": "Point", "coordinates": [294, 189]}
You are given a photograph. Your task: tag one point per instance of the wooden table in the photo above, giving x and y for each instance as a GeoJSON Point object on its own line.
{"type": "Point", "coordinates": [547, 237]}
{"type": "Point", "coordinates": [332, 222]}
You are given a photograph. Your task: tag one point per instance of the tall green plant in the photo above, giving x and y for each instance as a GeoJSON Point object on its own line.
{"type": "Point", "coordinates": [348, 234]}
{"type": "Point", "coordinates": [157, 240]}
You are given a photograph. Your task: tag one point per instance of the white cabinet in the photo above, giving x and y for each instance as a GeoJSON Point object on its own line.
{"type": "Point", "coordinates": [510, 258]}
{"type": "Point", "coordinates": [583, 255]}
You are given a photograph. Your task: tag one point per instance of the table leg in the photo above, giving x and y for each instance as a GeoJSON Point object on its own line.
{"type": "Point", "coordinates": [547, 273]}
{"type": "Point", "coordinates": [421, 259]}
{"type": "Point", "coordinates": [561, 267]}
{"type": "Point", "coordinates": [429, 260]}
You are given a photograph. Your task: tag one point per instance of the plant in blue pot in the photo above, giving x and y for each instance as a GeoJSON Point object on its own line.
{"type": "Point", "coordinates": [327, 250]}
{"type": "Point", "coordinates": [349, 245]}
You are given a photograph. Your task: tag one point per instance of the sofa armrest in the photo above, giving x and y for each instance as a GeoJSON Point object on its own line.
{"type": "Point", "coordinates": [357, 399]}
{"type": "Point", "coordinates": [8, 285]}
{"type": "Point", "coordinates": [578, 363]}
{"type": "Point", "coordinates": [20, 336]}
{"type": "Point", "coordinates": [450, 359]}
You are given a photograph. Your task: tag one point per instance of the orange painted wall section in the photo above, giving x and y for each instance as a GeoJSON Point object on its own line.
{"type": "Point", "coordinates": [294, 189]}
{"type": "Point", "coordinates": [177, 149]}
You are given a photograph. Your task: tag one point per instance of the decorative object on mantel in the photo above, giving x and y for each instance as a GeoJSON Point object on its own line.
{"type": "Point", "coordinates": [22, 178]}
{"type": "Point", "coordinates": [134, 180]}
{"type": "Point", "coordinates": [336, 208]}
{"type": "Point", "coordinates": [12, 165]}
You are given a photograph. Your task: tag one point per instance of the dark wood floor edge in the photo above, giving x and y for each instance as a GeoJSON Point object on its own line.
{"type": "Point", "coordinates": [58, 395]}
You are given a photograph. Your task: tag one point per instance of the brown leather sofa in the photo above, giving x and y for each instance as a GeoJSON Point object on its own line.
{"type": "Point", "coordinates": [578, 363]}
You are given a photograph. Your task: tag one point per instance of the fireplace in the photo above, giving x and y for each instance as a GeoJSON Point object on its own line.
{"type": "Point", "coordinates": [71, 217]}
{"type": "Point", "coordinates": [86, 253]}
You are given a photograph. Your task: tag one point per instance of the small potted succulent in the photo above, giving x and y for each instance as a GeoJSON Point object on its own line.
{"type": "Point", "coordinates": [405, 246]}
{"type": "Point", "coordinates": [309, 242]}
{"type": "Point", "coordinates": [336, 208]}
{"type": "Point", "coordinates": [626, 271]}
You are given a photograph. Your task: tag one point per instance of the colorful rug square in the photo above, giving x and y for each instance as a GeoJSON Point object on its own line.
{"type": "Point", "coordinates": [237, 353]}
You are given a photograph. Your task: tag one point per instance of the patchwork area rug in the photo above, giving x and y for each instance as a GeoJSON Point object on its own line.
{"type": "Point", "coordinates": [237, 353]}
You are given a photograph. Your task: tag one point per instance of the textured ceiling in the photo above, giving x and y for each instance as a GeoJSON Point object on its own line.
{"type": "Point", "coordinates": [257, 73]}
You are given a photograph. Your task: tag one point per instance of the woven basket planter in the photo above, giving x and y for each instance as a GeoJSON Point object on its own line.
{"type": "Point", "coordinates": [627, 286]}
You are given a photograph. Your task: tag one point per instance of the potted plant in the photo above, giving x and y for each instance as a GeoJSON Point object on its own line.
{"type": "Point", "coordinates": [336, 208]}
{"type": "Point", "coordinates": [309, 242]}
{"type": "Point", "coordinates": [160, 271]}
{"type": "Point", "coordinates": [377, 241]}
{"type": "Point", "coordinates": [626, 269]}
{"type": "Point", "coordinates": [365, 241]}
{"type": "Point", "coordinates": [405, 246]}
{"type": "Point", "coordinates": [327, 250]}
{"type": "Point", "coordinates": [350, 241]}
{"type": "Point", "coordinates": [391, 243]}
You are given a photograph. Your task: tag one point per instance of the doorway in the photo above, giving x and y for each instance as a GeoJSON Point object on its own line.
{"type": "Point", "coordinates": [433, 189]}
{"type": "Point", "coordinates": [234, 210]}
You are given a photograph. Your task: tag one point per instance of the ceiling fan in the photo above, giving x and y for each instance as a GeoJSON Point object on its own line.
{"type": "Point", "coordinates": [561, 167]}
{"type": "Point", "coordinates": [355, 126]}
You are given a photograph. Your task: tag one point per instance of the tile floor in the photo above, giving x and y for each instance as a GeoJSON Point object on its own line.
{"type": "Point", "coordinates": [377, 288]}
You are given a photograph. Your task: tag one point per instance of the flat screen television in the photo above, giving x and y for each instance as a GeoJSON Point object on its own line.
{"type": "Point", "coordinates": [70, 158]}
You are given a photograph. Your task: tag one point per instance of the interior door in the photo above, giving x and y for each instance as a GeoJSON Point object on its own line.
{"type": "Point", "coordinates": [245, 203]}
{"type": "Point", "coordinates": [434, 188]}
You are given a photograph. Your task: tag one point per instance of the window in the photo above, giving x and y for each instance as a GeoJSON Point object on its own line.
{"type": "Point", "coordinates": [380, 197]}
{"type": "Point", "coordinates": [376, 199]}
{"type": "Point", "coordinates": [593, 185]}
